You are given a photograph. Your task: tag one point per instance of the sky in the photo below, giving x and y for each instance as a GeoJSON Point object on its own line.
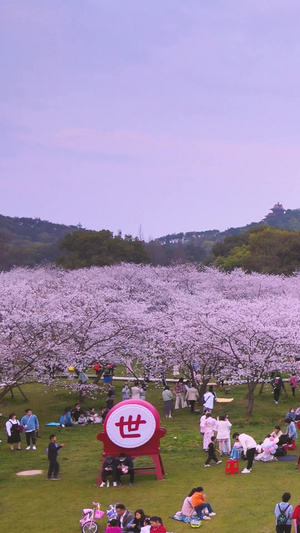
{"type": "Point", "coordinates": [149, 116]}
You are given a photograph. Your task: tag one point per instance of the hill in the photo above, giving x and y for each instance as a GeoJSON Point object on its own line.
{"type": "Point", "coordinates": [30, 241]}
{"type": "Point", "coordinates": [197, 245]}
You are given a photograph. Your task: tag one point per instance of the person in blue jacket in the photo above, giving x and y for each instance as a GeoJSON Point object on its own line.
{"type": "Point", "coordinates": [31, 424]}
{"type": "Point", "coordinates": [291, 430]}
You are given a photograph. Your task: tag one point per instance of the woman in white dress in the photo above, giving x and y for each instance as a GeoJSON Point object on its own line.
{"type": "Point", "coordinates": [223, 434]}
{"type": "Point", "coordinates": [209, 427]}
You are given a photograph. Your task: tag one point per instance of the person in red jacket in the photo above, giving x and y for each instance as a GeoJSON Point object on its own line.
{"type": "Point", "coordinates": [296, 519]}
{"type": "Point", "coordinates": [157, 525]}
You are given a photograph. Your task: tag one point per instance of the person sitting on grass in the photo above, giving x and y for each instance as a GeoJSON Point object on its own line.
{"type": "Point", "coordinates": [112, 527]}
{"type": "Point", "coordinates": [146, 526]}
{"type": "Point", "coordinates": [76, 412]}
{"type": "Point", "coordinates": [157, 525]}
{"type": "Point", "coordinates": [138, 522]}
{"type": "Point", "coordinates": [82, 419]}
{"type": "Point", "coordinates": [124, 517]}
{"type": "Point", "coordinates": [276, 433]}
{"type": "Point", "coordinates": [199, 503]}
{"type": "Point", "coordinates": [65, 419]}
{"type": "Point", "coordinates": [212, 453]}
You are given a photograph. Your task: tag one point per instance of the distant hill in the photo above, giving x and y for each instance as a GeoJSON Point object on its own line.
{"type": "Point", "coordinates": [30, 241]}
{"type": "Point", "coordinates": [197, 245]}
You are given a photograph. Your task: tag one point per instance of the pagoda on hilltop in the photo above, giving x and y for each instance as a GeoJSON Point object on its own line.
{"type": "Point", "coordinates": [276, 211]}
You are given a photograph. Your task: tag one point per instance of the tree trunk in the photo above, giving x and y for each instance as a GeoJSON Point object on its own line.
{"type": "Point", "coordinates": [261, 387]}
{"type": "Point", "coordinates": [81, 395]}
{"type": "Point", "coordinates": [250, 397]}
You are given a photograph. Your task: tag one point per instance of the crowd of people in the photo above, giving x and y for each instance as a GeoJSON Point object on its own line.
{"type": "Point", "coordinates": [138, 522]}
{"type": "Point", "coordinates": [216, 433]}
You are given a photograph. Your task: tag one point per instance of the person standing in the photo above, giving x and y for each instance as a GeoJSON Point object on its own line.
{"type": "Point", "coordinates": [209, 399]}
{"type": "Point", "coordinates": [179, 394]}
{"type": "Point", "coordinates": [192, 396]}
{"type": "Point", "coordinates": [249, 448]}
{"type": "Point", "coordinates": [31, 423]}
{"type": "Point", "coordinates": [296, 519]}
{"type": "Point", "coordinates": [167, 397]}
{"type": "Point", "coordinates": [13, 432]}
{"type": "Point", "coordinates": [136, 391]}
{"type": "Point", "coordinates": [277, 384]}
{"type": "Point", "coordinates": [110, 399]}
{"type": "Point", "coordinates": [52, 456]}
{"type": "Point", "coordinates": [209, 427]}
{"type": "Point", "coordinates": [283, 512]}
{"type": "Point", "coordinates": [294, 383]}
{"type": "Point", "coordinates": [223, 434]}
{"type": "Point", "coordinates": [125, 392]}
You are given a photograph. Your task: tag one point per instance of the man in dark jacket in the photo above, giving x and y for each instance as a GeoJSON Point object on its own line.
{"type": "Point", "coordinates": [125, 466]}
{"type": "Point", "coordinates": [109, 469]}
{"type": "Point", "coordinates": [52, 456]}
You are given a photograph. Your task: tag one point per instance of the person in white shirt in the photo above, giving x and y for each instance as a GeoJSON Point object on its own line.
{"type": "Point", "coordinates": [209, 399]}
{"type": "Point", "coordinates": [136, 391]}
{"type": "Point", "coordinates": [249, 448]}
{"type": "Point", "coordinates": [223, 434]}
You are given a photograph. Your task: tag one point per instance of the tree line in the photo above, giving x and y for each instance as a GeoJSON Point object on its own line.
{"type": "Point", "coordinates": [214, 325]}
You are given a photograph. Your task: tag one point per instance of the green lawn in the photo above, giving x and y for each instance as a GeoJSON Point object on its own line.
{"type": "Point", "coordinates": [242, 502]}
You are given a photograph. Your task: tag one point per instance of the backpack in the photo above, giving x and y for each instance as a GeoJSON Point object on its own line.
{"type": "Point", "coordinates": [282, 518]}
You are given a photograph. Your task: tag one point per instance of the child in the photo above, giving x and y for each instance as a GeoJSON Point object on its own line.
{"type": "Point", "coordinates": [212, 453]}
{"type": "Point", "coordinates": [112, 527]}
{"type": "Point", "coordinates": [52, 456]}
{"type": "Point", "coordinates": [147, 526]}
{"type": "Point", "coordinates": [82, 420]}
{"type": "Point", "coordinates": [157, 525]}
{"type": "Point", "coordinates": [199, 504]}
{"type": "Point", "coordinates": [236, 452]}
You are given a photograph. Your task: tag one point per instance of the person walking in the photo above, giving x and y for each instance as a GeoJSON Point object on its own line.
{"type": "Point", "coordinates": [209, 399]}
{"type": "Point", "coordinates": [52, 456]}
{"type": "Point", "coordinates": [212, 453]}
{"type": "Point", "coordinates": [249, 448]}
{"type": "Point", "coordinates": [192, 396]}
{"type": "Point", "coordinates": [179, 394]}
{"type": "Point", "coordinates": [283, 512]}
{"type": "Point", "coordinates": [31, 424]}
{"type": "Point", "coordinates": [294, 380]}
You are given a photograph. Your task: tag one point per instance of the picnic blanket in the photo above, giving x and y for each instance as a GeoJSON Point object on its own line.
{"type": "Point", "coordinates": [224, 400]}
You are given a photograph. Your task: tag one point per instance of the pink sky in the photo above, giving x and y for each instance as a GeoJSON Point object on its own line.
{"type": "Point", "coordinates": [173, 116]}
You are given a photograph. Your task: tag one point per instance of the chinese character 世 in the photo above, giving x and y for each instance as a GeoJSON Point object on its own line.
{"type": "Point", "coordinates": [132, 425]}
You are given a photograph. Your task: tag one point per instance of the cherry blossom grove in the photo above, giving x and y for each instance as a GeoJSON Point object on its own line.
{"type": "Point", "coordinates": [211, 324]}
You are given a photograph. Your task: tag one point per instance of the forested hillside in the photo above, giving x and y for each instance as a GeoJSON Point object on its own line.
{"type": "Point", "coordinates": [32, 241]}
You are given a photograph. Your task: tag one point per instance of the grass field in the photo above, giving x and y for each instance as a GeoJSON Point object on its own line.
{"type": "Point", "coordinates": [242, 502]}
